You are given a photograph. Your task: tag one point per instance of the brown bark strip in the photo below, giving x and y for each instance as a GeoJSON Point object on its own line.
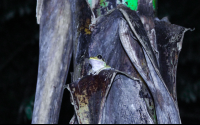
{"type": "Point", "coordinates": [90, 92]}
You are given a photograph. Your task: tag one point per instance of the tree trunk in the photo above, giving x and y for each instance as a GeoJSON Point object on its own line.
{"type": "Point", "coordinates": [54, 59]}
{"type": "Point", "coordinates": [138, 86]}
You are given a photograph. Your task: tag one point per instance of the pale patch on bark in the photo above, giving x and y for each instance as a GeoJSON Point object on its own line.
{"type": "Point", "coordinates": [39, 10]}
{"type": "Point", "coordinates": [53, 40]}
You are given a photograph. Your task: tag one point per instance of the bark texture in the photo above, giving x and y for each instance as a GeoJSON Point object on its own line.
{"type": "Point", "coordinates": [55, 54]}
{"type": "Point", "coordinates": [101, 42]}
{"type": "Point", "coordinates": [142, 51]}
{"type": "Point", "coordinates": [130, 42]}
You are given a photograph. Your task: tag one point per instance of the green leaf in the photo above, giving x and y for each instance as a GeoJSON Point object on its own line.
{"type": "Point", "coordinates": [132, 4]}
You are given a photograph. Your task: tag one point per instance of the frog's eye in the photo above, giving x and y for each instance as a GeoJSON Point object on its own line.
{"type": "Point", "coordinates": [99, 57]}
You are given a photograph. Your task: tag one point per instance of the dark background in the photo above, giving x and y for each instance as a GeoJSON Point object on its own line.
{"type": "Point", "coordinates": [19, 53]}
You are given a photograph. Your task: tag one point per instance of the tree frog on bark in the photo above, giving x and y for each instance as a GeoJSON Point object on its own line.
{"type": "Point", "coordinates": [97, 64]}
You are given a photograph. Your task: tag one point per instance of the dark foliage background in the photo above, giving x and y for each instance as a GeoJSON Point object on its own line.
{"type": "Point", "coordinates": [19, 52]}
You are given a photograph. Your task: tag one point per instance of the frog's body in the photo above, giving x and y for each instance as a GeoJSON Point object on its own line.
{"type": "Point", "coordinates": [97, 64]}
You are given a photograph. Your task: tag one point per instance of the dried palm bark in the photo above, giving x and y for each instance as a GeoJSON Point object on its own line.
{"type": "Point", "coordinates": [55, 46]}
{"type": "Point", "coordinates": [142, 51]}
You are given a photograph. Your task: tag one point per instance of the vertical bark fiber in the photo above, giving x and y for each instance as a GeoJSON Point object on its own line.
{"type": "Point", "coordinates": [55, 54]}
{"type": "Point", "coordinates": [141, 56]}
{"type": "Point", "coordinates": [142, 52]}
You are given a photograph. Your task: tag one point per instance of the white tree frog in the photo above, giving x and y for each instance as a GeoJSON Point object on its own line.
{"type": "Point", "coordinates": [97, 64]}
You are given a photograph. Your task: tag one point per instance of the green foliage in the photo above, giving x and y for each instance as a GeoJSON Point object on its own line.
{"type": "Point", "coordinates": [28, 107]}
{"type": "Point", "coordinates": [132, 4]}
{"type": "Point", "coordinates": [105, 5]}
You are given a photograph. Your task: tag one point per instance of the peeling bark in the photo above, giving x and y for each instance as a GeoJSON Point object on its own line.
{"type": "Point", "coordinates": [169, 49]}
{"type": "Point", "coordinates": [140, 86]}
{"type": "Point", "coordinates": [90, 92]}
{"type": "Point", "coordinates": [166, 110]}
{"type": "Point", "coordinates": [109, 46]}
